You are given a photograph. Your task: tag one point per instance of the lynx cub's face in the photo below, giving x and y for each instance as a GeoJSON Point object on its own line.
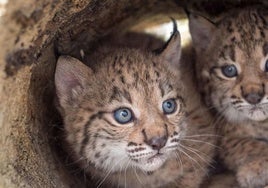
{"type": "Point", "coordinates": [126, 112]}
{"type": "Point", "coordinates": [233, 63]}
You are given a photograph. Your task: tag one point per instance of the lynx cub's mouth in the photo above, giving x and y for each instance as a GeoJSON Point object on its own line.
{"type": "Point", "coordinates": [246, 112]}
{"type": "Point", "coordinates": [152, 163]}
{"type": "Point", "coordinates": [255, 112]}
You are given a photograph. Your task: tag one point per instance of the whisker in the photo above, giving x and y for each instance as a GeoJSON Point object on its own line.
{"type": "Point", "coordinates": [190, 157]}
{"type": "Point", "coordinates": [137, 176]}
{"type": "Point", "coordinates": [200, 141]}
{"type": "Point", "coordinates": [195, 151]}
{"type": "Point", "coordinates": [202, 135]}
{"type": "Point", "coordinates": [220, 117]}
{"type": "Point", "coordinates": [108, 173]}
{"type": "Point", "coordinates": [191, 161]}
{"type": "Point", "coordinates": [126, 173]}
{"type": "Point", "coordinates": [75, 162]}
{"type": "Point", "coordinates": [119, 177]}
{"type": "Point", "coordinates": [178, 157]}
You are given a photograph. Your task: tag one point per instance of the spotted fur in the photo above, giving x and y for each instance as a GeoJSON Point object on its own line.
{"type": "Point", "coordinates": [239, 102]}
{"type": "Point", "coordinates": [154, 149]}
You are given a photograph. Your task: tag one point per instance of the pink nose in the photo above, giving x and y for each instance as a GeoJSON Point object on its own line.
{"type": "Point", "coordinates": [254, 98]}
{"type": "Point", "coordinates": [157, 142]}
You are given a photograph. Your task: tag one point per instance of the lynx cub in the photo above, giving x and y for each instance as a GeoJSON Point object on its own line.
{"type": "Point", "coordinates": [130, 121]}
{"type": "Point", "coordinates": [232, 68]}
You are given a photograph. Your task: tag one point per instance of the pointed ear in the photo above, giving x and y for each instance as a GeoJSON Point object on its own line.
{"type": "Point", "coordinates": [201, 30]}
{"type": "Point", "coordinates": [71, 77]}
{"type": "Point", "coordinates": [172, 50]}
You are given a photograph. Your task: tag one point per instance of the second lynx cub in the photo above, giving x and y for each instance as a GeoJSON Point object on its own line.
{"type": "Point", "coordinates": [232, 67]}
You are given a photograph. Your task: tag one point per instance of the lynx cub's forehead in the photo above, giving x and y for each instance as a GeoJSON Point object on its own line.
{"type": "Point", "coordinates": [143, 65]}
{"type": "Point", "coordinates": [243, 35]}
{"type": "Point", "coordinates": [131, 73]}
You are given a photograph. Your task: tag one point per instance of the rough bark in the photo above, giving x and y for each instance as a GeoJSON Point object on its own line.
{"type": "Point", "coordinates": [33, 33]}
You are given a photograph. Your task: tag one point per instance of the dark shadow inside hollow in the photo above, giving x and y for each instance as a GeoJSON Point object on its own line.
{"type": "Point", "coordinates": [48, 122]}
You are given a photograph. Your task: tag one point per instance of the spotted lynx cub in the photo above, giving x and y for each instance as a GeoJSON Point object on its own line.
{"type": "Point", "coordinates": [130, 121]}
{"type": "Point", "coordinates": [232, 68]}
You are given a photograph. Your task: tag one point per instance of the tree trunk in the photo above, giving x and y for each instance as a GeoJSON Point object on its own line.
{"type": "Point", "coordinates": [33, 34]}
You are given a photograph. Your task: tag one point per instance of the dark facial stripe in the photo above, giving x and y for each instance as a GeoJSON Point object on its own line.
{"type": "Point", "coordinates": [265, 49]}
{"type": "Point", "coordinates": [228, 51]}
{"type": "Point", "coordinates": [212, 69]}
{"type": "Point", "coordinates": [116, 60]}
{"type": "Point", "coordinates": [132, 144]}
{"type": "Point", "coordinates": [136, 150]}
{"type": "Point", "coordinates": [161, 89]}
{"type": "Point", "coordinates": [181, 99]}
{"type": "Point", "coordinates": [213, 72]}
{"type": "Point", "coordinates": [135, 76]}
{"type": "Point", "coordinates": [237, 102]}
{"type": "Point", "coordinates": [122, 78]}
{"type": "Point", "coordinates": [86, 135]}
{"type": "Point", "coordinates": [147, 75]}
{"type": "Point", "coordinates": [232, 53]}
{"type": "Point", "coordinates": [165, 88]}
{"type": "Point", "coordinates": [157, 74]}
{"type": "Point", "coordinates": [166, 128]}
{"type": "Point", "coordinates": [107, 121]}
{"type": "Point", "coordinates": [127, 96]}
{"type": "Point", "coordinates": [118, 95]}
{"type": "Point", "coordinates": [144, 135]}
{"type": "Point", "coordinates": [108, 132]}
{"type": "Point", "coordinates": [115, 95]}
{"type": "Point", "coordinates": [263, 20]}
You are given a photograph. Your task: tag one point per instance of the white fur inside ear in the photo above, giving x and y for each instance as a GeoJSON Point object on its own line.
{"type": "Point", "coordinates": [76, 91]}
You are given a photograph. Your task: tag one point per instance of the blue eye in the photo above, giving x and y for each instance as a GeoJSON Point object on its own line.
{"type": "Point", "coordinates": [229, 71]}
{"type": "Point", "coordinates": [169, 106]}
{"type": "Point", "coordinates": [123, 115]}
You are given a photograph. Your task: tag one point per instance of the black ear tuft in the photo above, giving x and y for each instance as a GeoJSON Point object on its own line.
{"type": "Point", "coordinates": [175, 30]}
{"type": "Point", "coordinates": [175, 27]}
{"type": "Point", "coordinates": [171, 51]}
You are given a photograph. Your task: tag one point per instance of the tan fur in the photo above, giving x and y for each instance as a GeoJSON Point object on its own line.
{"type": "Point", "coordinates": [223, 180]}
{"type": "Point", "coordinates": [239, 103]}
{"type": "Point", "coordinates": [116, 154]}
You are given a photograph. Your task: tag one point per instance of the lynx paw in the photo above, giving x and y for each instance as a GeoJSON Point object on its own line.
{"type": "Point", "coordinates": [253, 174]}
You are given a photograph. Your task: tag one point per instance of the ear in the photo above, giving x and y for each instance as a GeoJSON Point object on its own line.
{"type": "Point", "coordinates": [201, 30]}
{"type": "Point", "coordinates": [171, 52]}
{"type": "Point", "coordinates": [71, 77]}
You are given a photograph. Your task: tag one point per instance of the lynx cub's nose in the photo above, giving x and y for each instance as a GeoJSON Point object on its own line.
{"type": "Point", "coordinates": [253, 94]}
{"type": "Point", "coordinates": [157, 142]}
{"type": "Point", "coordinates": [254, 98]}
